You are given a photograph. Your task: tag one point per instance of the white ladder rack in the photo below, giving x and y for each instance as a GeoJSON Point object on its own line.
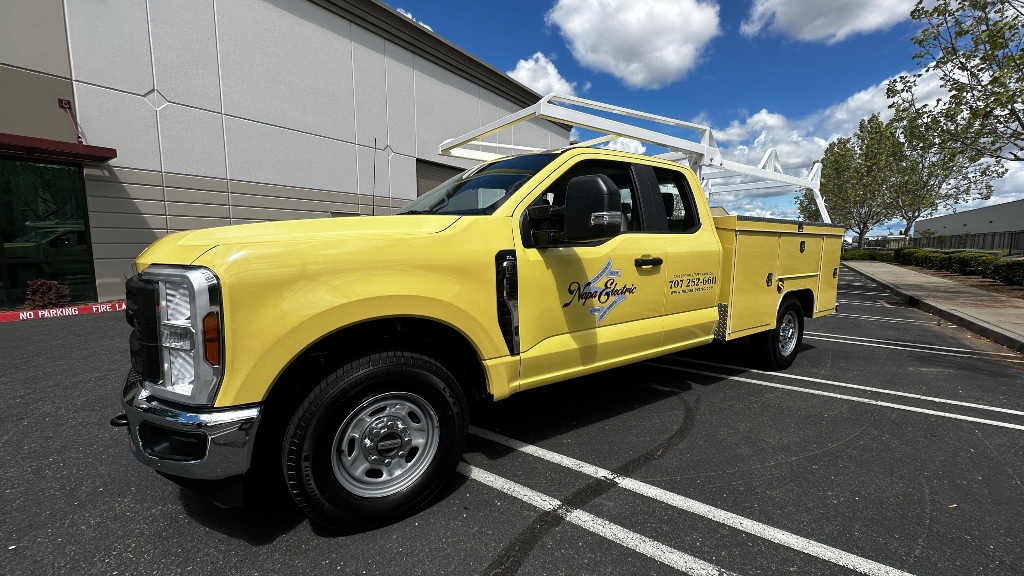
{"type": "Point", "coordinates": [704, 157]}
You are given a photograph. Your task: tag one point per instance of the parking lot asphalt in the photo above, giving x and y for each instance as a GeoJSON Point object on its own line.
{"type": "Point", "coordinates": [895, 444]}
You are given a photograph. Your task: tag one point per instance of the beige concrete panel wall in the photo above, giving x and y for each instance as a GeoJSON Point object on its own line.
{"type": "Point", "coordinates": [28, 104]}
{"type": "Point", "coordinates": [126, 213]}
{"type": "Point", "coordinates": [32, 36]}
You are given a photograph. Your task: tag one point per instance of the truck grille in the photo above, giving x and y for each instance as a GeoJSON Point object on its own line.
{"type": "Point", "coordinates": [141, 299]}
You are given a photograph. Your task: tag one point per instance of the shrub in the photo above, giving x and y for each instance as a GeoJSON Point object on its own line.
{"type": "Point", "coordinates": [971, 263]}
{"type": "Point", "coordinates": [46, 294]}
{"type": "Point", "coordinates": [932, 260]}
{"type": "Point", "coordinates": [904, 254]}
{"type": "Point", "coordinates": [858, 254]}
{"type": "Point", "coordinates": [1009, 272]}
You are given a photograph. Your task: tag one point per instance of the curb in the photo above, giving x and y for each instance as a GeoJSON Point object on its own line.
{"type": "Point", "coordinates": [982, 329]}
{"type": "Point", "coordinates": [77, 310]}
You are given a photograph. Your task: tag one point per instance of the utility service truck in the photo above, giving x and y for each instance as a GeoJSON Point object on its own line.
{"type": "Point", "coordinates": [337, 357]}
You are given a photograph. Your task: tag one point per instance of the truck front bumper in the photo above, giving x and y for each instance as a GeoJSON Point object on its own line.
{"type": "Point", "coordinates": [201, 444]}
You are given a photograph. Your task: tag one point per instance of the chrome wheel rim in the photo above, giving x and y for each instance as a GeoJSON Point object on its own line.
{"type": "Point", "coordinates": [385, 444]}
{"type": "Point", "coordinates": [789, 329]}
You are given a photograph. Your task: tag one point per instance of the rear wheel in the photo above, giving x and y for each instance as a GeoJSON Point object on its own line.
{"type": "Point", "coordinates": [375, 440]}
{"type": "Point", "coordinates": [776, 349]}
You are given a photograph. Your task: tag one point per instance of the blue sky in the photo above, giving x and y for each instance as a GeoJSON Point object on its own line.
{"type": "Point", "coordinates": [788, 74]}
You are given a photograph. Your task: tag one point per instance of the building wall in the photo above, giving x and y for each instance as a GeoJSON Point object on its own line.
{"type": "Point", "coordinates": [34, 70]}
{"type": "Point", "coordinates": [235, 111]}
{"type": "Point", "coordinates": [1006, 217]}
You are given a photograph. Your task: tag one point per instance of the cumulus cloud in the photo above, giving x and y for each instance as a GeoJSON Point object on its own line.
{"type": "Point", "coordinates": [540, 75]}
{"type": "Point", "coordinates": [830, 22]}
{"type": "Point", "coordinates": [644, 43]}
{"type": "Point", "coordinates": [408, 15]}
{"type": "Point", "coordinates": [625, 145]}
{"type": "Point", "coordinates": [801, 141]}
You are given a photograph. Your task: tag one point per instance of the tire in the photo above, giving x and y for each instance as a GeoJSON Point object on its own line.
{"type": "Point", "coordinates": [374, 440]}
{"type": "Point", "coordinates": [776, 349]}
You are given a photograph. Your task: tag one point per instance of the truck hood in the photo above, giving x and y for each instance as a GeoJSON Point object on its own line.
{"type": "Point", "coordinates": [186, 247]}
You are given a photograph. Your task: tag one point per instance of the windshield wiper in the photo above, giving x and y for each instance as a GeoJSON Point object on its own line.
{"type": "Point", "coordinates": [418, 212]}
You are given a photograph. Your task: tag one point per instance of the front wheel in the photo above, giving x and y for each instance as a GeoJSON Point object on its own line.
{"type": "Point", "coordinates": [776, 349]}
{"type": "Point", "coordinates": [375, 440]}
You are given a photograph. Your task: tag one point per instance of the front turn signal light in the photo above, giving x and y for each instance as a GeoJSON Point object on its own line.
{"type": "Point", "coordinates": [211, 338]}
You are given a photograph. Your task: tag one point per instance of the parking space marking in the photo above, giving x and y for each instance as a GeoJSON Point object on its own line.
{"type": "Point", "coordinates": [865, 388]}
{"type": "Point", "coordinates": [882, 319]}
{"type": "Point", "coordinates": [776, 535]}
{"type": "Point", "coordinates": [909, 343]}
{"type": "Point", "coordinates": [844, 397]}
{"type": "Point", "coordinates": [864, 293]}
{"type": "Point", "coordinates": [876, 345]}
{"type": "Point", "coordinates": [623, 536]}
{"type": "Point", "coordinates": [865, 303]}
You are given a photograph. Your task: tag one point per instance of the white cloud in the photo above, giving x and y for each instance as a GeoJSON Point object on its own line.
{"type": "Point", "coordinates": [830, 22]}
{"type": "Point", "coordinates": [408, 15]}
{"type": "Point", "coordinates": [540, 75]}
{"type": "Point", "coordinates": [801, 141]}
{"type": "Point", "coordinates": [625, 145]}
{"type": "Point", "coordinates": [644, 43]}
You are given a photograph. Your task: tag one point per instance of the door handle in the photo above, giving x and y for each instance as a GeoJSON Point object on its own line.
{"type": "Point", "coordinates": [642, 262]}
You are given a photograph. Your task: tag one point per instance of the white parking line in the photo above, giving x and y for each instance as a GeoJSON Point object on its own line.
{"type": "Point", "coordinates": [909, 343]}
{"type": "Point", "coordinates": [788, 539]}
{"type": "Point", "coordinates": [883, 319]}
{"type": "Point", "coordinates": [864, 293]}
{"type": "Point", "coordinates": [844, 397]}
{"type": "Point", "coordinates": [875, 345]}
{"type": "Point", "coordinates": [637, 542]}
{"type": "Point", "coordinates": [859, 387]}
{"type": "Point", "coordinates": [862, 303]}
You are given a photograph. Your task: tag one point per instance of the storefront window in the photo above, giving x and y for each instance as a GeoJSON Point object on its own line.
{"type": "Point", "coordinates": [43, 229]}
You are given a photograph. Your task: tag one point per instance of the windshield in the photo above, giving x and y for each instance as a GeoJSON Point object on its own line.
{"type": "Point", "coordinates": [482, 189]}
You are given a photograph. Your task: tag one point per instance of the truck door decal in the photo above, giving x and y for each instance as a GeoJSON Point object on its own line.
{"type": "Point", "coordinates": [603, 289]}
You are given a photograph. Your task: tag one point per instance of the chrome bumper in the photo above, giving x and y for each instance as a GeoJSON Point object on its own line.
{"type": "Point", "coordinates": [229, 434]}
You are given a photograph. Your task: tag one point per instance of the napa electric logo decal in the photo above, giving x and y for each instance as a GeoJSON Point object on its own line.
{"type": "Point", "coordinates": [603, 290]}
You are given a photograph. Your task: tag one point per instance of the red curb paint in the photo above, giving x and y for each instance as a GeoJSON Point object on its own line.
{"type": "Point", "coordinates": [118, 306]}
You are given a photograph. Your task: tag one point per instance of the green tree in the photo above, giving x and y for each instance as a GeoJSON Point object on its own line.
{"type": "Point", "coordinates": [852, 183]}
{"type": "Point", "coordinates": [922, 176]}
{"type": "Point", "coordinates": [975, 48]}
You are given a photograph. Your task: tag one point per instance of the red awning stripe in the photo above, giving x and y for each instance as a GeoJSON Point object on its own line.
{"type": "Point", "coordinates": [54, 149]}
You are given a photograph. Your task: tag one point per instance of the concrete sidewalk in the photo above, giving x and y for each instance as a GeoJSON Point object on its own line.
{"type": "Point", "coordinates": [998, 318]}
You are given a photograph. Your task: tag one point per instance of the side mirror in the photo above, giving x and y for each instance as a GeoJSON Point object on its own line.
{"type": "Point", "coordinates": [593, 209]}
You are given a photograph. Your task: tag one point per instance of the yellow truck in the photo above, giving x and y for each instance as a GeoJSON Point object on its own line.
{"type": "Point", "coordinates": [339, 356]}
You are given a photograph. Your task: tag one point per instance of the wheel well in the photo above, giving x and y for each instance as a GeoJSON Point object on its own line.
{"type": "Point", "coordinates": [806, 299]}
{"type": "Point", "coordinates": [439, 341]}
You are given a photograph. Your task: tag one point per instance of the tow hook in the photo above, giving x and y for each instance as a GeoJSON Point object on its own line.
{"type": "Point", "coordinates": [119, 421]}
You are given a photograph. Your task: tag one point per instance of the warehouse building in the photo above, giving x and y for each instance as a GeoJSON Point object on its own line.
{"type": "Point", "coordinates": [123, 120]}
{"type": "Point", "coordinates": [996, 227]}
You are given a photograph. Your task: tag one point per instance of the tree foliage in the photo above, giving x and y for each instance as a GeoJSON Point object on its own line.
{"type": "Point", "coordinates": [851, 183]}
{"type": "Point", "coordinates": [975, 48]}
{"type": "Point", "coordinates": [924, 176]}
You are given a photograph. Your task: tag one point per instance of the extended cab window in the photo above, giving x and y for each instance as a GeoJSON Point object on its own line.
{"type": "Point", "coordinates": [482, 189]}
{"type": "Point", "coordinates": [680, 207]}
{"type": "Point", "coordinates": [619, 173]}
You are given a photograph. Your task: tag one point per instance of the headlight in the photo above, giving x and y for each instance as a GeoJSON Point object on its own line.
{"type": "Point", "coordinates": [189, 334]}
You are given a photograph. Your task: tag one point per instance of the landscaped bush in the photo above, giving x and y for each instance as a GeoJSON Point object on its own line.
{"type": "Point", "coordinates": [971, 263]}
{"type": "Point", "coordinates": [985, 263]}
{"type": "Point", "coordinates": [858, 254]}
{"type": "Point", "coordinates": [1009, 272]}
{"type": "Point", "coordinates": [904, 254]}
{"type": "Point", "coordinates": [46, 294]}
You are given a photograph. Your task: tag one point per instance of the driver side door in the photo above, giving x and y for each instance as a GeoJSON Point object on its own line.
{"type": "Point", "coordinates": [587, 306]}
